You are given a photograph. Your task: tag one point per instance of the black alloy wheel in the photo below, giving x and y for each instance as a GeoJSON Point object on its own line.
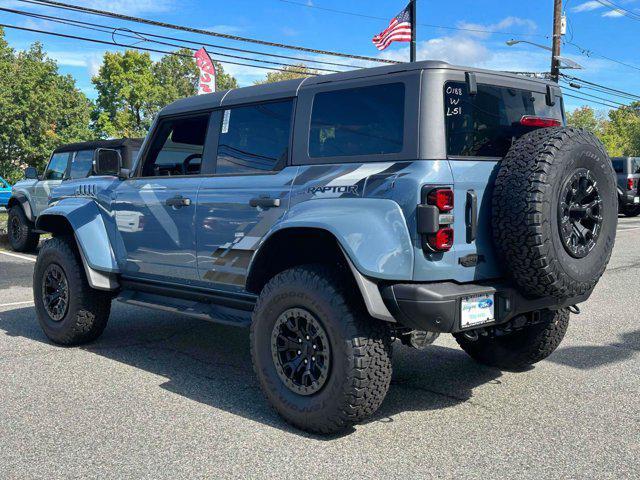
{"type": "Point", "coordinates": [301, 351]}
{"type": "Point", "coordinates": [55, 292]}
{"type": "Point", "coordinates": [580, 213]}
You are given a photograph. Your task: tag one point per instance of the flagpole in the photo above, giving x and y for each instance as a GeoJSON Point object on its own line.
{"type": "Point", "coordinates": [414, 26]}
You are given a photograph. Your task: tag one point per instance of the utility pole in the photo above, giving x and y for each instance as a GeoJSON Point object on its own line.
{"type": "Point", "coordinates": [557, 39]}
{"type": "Point", "coordinates": [414, 26]}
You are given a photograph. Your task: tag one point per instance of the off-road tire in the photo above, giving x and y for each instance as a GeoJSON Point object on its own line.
{"type": "Point", "coordinates": [631, 211]}
{"type": "Point", "coordinates": [88, 309]}
{"type": "Point", "coordinates": [521, 348]}
{"type": "Point", "coordinates": [20, 231]}
{"type": "Point", "coordinates": [360, 370]}
{"type": "Point", "coordinates": [526, 203]}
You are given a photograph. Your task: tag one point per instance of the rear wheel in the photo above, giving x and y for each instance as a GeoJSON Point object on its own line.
{"type": "Point", "coordinates": [631, 211]}
{"type": "Point", "coordinates": [522, 347]}
{"type": "Point", "coordinates": [20, 231]}
{"type": "Point", "coordinates": [70, 312]}
{"type": "Point", "coordinates": [321, 361]}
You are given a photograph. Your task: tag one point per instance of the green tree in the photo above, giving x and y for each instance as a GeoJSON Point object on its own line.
{"type": "Point", "coordinates": [585, 117]}
{"type": "Point", "coordinates": [127, 94]}
{"type": "Point", "coordinates": [132, 89]}
{"type": "Point", "coordinates": [288, 73]}
{"type": "Point", "coordinates": [40, 109]}
{"type": "Point", "coordinates": [622, 132]}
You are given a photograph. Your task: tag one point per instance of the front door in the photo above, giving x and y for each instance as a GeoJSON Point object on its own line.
{"type": "Point", "coordinates": [52, 177]}
{"type": "Point", "coordinates": [155, 210]}
{"type": "Point", "coordinates": [249, 192]}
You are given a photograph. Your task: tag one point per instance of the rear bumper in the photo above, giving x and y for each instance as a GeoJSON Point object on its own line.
{"type": "Point", "coordinates": [435, 307]}
{"type": "Point", "coordinates": [629, 198]}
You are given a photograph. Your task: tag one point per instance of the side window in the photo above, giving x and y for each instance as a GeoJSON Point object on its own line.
{"type": "Point", "coordinates": [358, 121]}
{"type": "Point", "coordinates": [57, 166]}
{"type": "Point", "coordinates": [177, 147]}
{"type": "Point", "coordinates": [635, 166]}
{"type": "Point", "coordinates": [81, 164]}
{"type": "Point", "coordinates": [254, 138]}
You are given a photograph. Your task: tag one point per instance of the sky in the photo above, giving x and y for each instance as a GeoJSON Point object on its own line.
{"type": "Point", "coordinates": [591, 26]}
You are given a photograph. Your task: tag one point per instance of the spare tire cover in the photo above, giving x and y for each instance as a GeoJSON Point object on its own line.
{"type": "Point", "coordinates": [555, 212]}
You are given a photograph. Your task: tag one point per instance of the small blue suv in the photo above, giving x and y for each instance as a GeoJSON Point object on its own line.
{"type": "Point", "coordinates": [5, 192]}
{"type": "Point", "coordinates": [337, 213]}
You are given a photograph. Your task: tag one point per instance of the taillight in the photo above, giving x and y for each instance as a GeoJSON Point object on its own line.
{"type": "Point", "coordinates": [435, 218]}
{"type": "Point", "coordinates": [441, 198]}
{"type": "Point", "coordinates": [631, 184]}
{"type": "Point", "coordinates": [442, 241]}
{"type": "Point", "coordinates": [539, 122]}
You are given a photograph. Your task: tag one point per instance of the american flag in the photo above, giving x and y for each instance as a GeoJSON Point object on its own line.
{"type": "Point", "coordinates": [399, 30]}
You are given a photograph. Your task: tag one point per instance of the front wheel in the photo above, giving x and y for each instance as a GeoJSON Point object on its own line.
{"type": "Point", "coordinates": [321, 361]}
{"type": "Point", "coordinates": [70, 312]}
{"type": "Point", "coordinates": [522, 347]}
{"type": "Point", "coordinates": [20, 231]}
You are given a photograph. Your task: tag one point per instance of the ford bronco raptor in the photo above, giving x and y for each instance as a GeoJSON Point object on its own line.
{"type": "Point", "coordinates": [29, 197]}
{"type": "Point", "coordinates": [336, 213]}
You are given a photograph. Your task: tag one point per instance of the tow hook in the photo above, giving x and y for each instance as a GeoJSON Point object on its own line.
{"type": "Point", "coordinates": [574, 309]}
{"type": "Point", "coordinates": [419, 339]}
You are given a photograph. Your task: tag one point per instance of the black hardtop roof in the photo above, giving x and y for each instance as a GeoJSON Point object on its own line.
{"type": "Point", "coordinates": [115, 143]}
{"type": "Point", "coordinates": [290, 88]}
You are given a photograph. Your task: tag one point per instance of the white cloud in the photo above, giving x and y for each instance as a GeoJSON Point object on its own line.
{"type": "Point", "coordinates": [508, 22]}
{"type": "Point", "coordinates": [613, 14]}
{"type": "Point", "coordinates": [587, 6]}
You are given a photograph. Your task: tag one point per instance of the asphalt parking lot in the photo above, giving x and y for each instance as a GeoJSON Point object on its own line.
{"type": "Point", "coordinates": [164, 397]}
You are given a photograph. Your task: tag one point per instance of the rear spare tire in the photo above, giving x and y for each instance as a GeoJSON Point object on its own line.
{"type": "Point", "coordinates": [555, 212]}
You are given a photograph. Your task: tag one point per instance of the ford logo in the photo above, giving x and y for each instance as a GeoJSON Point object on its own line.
{"type": "Point", "coordinates": [488, 303]}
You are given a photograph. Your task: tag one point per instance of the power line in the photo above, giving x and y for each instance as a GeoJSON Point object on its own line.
{"type": "Point", "coordinates": [629, 96]}
{"type": "Point", "coordinates": [619, 9]}
{"type": "Point", "coordinates": [588, 53]}
{"type": "Point", "coordinates": [146, 49]}
{"type": "Point", "coordinates": [597, 97]}
{"type": "Point", "coordinates": [372, 17]}
{"type": "Point", "coordinates": [599, 85]}
{"type": "Point", "coordinates": [104, 13]}
{"type": "Point", "coordinates": [589, 100]}
{"type": "Point", "coordinates": [110, 29]}
{"type": "Point", "coordinates": [140, 36]}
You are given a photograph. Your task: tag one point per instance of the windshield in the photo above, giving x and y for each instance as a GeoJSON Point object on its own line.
{"type": "Point", "coordinates": [486, 124]}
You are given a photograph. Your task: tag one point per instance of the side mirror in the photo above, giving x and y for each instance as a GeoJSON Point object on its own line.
{"type": "Point", "coordinates": [30, 173]}
{"type": "Point", "coordinates": [107, 162]}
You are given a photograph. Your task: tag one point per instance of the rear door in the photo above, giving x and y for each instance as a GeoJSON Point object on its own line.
{"type": "Point", "coordinates": [248, 192]}
{"type": "Point", "coordinates": [480, 130]}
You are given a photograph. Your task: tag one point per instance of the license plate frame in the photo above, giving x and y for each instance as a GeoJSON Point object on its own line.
{"type": "Point", "coordinates": [477, 310]}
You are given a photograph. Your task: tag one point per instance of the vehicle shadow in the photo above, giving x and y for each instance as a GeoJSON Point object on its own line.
{"type": "Point", "coordinates": [211, 364]}
{"type": "Point", "coordinates": [588, 357]}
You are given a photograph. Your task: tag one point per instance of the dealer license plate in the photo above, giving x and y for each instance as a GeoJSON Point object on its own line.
{"type": "Point", "coordinates": [477, 310]}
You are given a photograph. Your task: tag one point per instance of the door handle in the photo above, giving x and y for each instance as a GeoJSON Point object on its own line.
{"type": "Point", "coordinates": [472, 215]}
{"type": "Point", "coordinates": [178, 202]}
{"type": "Point", "coordinates": [264, 202]}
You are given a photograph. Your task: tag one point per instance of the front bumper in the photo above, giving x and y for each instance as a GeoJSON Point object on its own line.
{"type": "Point", "coordinates": [435, 307]}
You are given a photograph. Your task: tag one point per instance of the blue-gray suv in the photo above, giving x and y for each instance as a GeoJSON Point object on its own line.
{"type": "Point", "coordinates": [337, 213]}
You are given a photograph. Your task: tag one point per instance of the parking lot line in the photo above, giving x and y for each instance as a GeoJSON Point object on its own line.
{"type": "Point", "coordinates": [14, 304]}
{"type": "Point", "coordinates": [23, 257]}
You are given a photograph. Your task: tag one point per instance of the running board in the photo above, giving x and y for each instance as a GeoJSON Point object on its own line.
{"type": "Point", "coordinates": [191, 308]}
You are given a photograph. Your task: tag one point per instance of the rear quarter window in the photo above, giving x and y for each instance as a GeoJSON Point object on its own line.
{"type": "Point", "coordinates": [618, 166]}
{"type": "Point", "coordinates": [486, 124]}
{"type": "Point", "coordinates": [358, 121]}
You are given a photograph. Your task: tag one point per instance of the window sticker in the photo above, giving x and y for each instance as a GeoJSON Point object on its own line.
{"type": "Point", "coordinates": [225, 121]}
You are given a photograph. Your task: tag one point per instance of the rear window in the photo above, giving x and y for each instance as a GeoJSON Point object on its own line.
{"type": "Point", "coordinates": [485, 125]}
{"type": "Point", "coordinates": [358, 121]}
